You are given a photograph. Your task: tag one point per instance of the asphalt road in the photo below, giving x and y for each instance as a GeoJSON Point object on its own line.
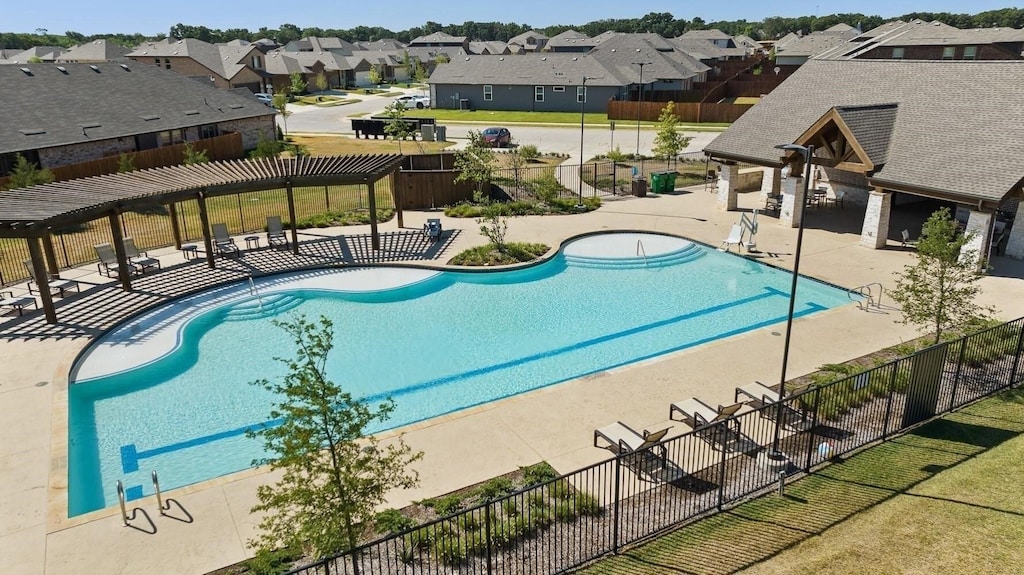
{"type": "Point", "coordinates": [597, 139]}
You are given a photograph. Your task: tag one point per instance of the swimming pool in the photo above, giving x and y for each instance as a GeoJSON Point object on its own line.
{"type": "Point", "coordinates": [170, 390]}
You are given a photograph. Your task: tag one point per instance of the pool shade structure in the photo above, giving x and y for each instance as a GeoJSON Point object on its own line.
{"type": "Point", "coordinates": [32, 213]}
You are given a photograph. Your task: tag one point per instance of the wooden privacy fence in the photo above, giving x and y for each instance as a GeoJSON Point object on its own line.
{"type": "Point", "coordinates": [224, 147]}
{"type": "Point", "coordinates": [685, 111]}
{"type": "Point", "coordinates": [422, 190]}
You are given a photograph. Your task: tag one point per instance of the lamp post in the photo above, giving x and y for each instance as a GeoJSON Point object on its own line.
{"type": "Point", "coordinates": [582, 97]}
{"type": "Point", "coordinates": [808, 154]}
{"type": "Point", "coordinates": [640, 99]}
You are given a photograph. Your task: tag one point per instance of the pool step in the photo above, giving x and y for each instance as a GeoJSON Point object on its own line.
{"type": "Point", "coordinates": [273, 304]}
{"type": "Point", "coordinates": [682, 255]}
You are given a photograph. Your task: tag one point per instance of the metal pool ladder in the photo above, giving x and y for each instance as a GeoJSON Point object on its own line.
{"type": "Point", "coordinates": [641, 251]}
{"type": "Point", "coordinates": [869, 298]}
{"type": "Point", "coordinates": [252, 291]}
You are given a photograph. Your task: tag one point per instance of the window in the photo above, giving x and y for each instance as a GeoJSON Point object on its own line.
{"type": "Point", "coordinates": [581, 94]}
{"type": "Point", "coordinates": [538, 93]}
{"type": "Point", "coordinates": [970, 52]}
{"type": "Point", "coordinates": [948, 53]}
{"type": "Point", "coordinates": [157, 62]}
{"type": "Point", "coordinates": [488, 92]}
{"type": "Point", "coordinates": [170, 137]}
{"type": "Point", "coordinates": [167, 63]}
{"type": "Point", "coordinates": [208, 131]}
{"type": "Point", "coordinates": [897, 53]}
{"type": "Point", "coordinates": [257, 63]}
{"type": "Point", "coordinates": [558, 88]}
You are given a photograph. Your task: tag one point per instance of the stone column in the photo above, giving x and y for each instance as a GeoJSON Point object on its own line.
{"type": "Point", "coordinates": [771, 182]}
{"type": "Point", "coordinates": [793, 199]}
{"type": "Point", "coordinates": [728, 181]}
{"type": "Point", "coordinates": [979, 224]}
{"type": "Point", "coordinates": [875, 232]}
{"type": "Point", "coordinates": [1015, 244]}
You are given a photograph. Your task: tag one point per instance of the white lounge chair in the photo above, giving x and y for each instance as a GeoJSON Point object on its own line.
{"type": "Point", "coordinates": [275, 232]}
{"type": "Point", "coordinates": [706, 421]}
{"type": "Point", "coordinates": [138, 260]}
{"type": "Point", "coordinates": [16, 302]}
{"type": "Point", "coordinates": [223, 243]}
{"type": "Point", "coordinates": [735, 238]}
{"type": "Point", "coordinates": [56, 285]}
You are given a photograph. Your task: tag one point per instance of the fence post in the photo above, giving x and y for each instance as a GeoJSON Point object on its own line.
{"type": "Point", "coordinates": [487, 532]}
{"type": "Point", "coordinates": [615, 509]}
{"type": "Point", "coordinates": [241, 217]}
{"type": "Point", "coordinates": [814, 425]}
{"type": "Point", "coordinates": [721, 471]}
{"type": "Point", "coordinates": [888, 403]}
{"type": "Point", "coordinates": [327, 567]}
{"type": "Point", "coordinates": [327, 198]}
{"type": "Point", "coordinates": [1016, 356]}
{"type": "Point", "coordinates": [956, 376]}
{"type": "Point", "coordinates": [64, 249]}
{"type": "Point", "coordinates": [355, 564]}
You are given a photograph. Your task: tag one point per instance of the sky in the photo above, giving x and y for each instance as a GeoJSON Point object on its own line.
{"type": "Point", "coordinates": [122, 16]}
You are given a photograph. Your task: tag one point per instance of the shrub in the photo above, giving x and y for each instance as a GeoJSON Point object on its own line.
{"type": "Point", "coordinates": [392, 521]}
{"type": "Point", "coordinates": [538, 473]}
{"type": "Point", "coordinates": [468, 522]}
{"type": "Point", "coordinates": [495, 488]}
{"type": "Point", "coordinates": [446, 505]}
{"type": "Point", "coordinates": [272, 562]}
{"type": "Point", "coordinates": [510, 507]}
{"type": "Point", "coordinates": [560, 489]}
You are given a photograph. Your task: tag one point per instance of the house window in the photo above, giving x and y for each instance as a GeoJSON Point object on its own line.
{"type": "Point", "coordinates": [208, 131]}
{"type": "Point", "coordinates": [157, 62]}
{"type": "Point", "coordinates": [581, 94]}
{"type": "Point", "coordinates": [167, 63]}
{"type": "Point", "coordinates": [970, 52]}
{"type": "Point", "coordinates": [948, 53]}
{"type": "Point", "coordinates": [538, 93]}
{"type": "Point", "coordinates": [170, 137]}
{"type": "Point", "coordinates": [897, 53]}
{"type": "Point", "coordinates": [256, 63]}
{"type": "Point", "coordinates": [488, 92]}
{"type": "Point", "coordinates": [558, 88]}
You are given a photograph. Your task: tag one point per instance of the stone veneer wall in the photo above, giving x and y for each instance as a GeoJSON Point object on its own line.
{"type": "Point", "coordinates": [251, 129]}
{"type": "Point", "coordinates": [84, 152]}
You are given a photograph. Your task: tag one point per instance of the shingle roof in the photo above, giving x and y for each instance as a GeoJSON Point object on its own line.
{"type": "Point", "coordinates": [706, 50]}
{"type": "Point", "coordinates": [547, 69]}
{"type": "Point", "coordinates": [438, 38]}
{"type": "Point", "coordinates": [95, 51]}
{"type": "Point", "coordinates": [224, 60]}
{"type": "Point", "coordinates": [82, 105]}
{"type": "Point", "coordinates": [871, 127]}
{"type": "Point", "coordinates": [955, 131]}
{"type": "Point", "coordinates": [45, 53]}
{"type": "Point", "coordinates": [665, 58]}
{"type": "Point", "coordinates": [525, 36]}
{"type": "Point", "coordinates": [492, 47]}
{"type": "Point", "coordinates": [920, 33]}
{"type": "Point", "coordinates": [812, 44]}
{"type": "Point", "coordinates": [714, 34]}
{"type": "Point", "coordinates": [570, 38]}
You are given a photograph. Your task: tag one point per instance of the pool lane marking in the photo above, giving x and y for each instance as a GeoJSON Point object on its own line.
{"type": "Point", "coordinates": [130, 456]}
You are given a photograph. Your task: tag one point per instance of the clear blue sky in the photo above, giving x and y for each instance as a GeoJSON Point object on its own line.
{"type": "Point", "coordinates": [101, 16]}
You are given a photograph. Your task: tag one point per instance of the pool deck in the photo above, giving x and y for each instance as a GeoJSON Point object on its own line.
{"type": "Point", "coordinates": [556, 423]}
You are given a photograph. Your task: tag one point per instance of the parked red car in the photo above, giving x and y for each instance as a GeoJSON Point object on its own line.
{"type": "Point", "coordinates": [497, 137]}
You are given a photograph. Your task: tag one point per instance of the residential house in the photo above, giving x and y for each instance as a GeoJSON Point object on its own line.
{"type": "Point", "coordinates": [753, 47]}
{"type": "Point", "coordinates": [884, 128]}
{"type": "Point", "coordinates": [225, 66]}
{"type": "Point", "coordinates": [531, 41]}
{"type": "Point", "coordinates": [95, 51]}
{"type": "Point", "coordinates": [440, 40]}
{"type": "Point", "coordinates": [667, 67]}
{"type": "Point", "coordinates": [715, 36]}
{"type": "Point", "coordinates": [41, 53]}
{"type": "Point", "coordinates": [794, 50]}
{"type": "Point", "coordinates": [920, 40]}
{"type": "Point", "coordinates": [96, 110]}
{"type": "Point", "coordinates": [492, 47]}
{"type": "Point", "coordinates": [570, 41]}
{"type": "Point", "coordinates": [280, 66]}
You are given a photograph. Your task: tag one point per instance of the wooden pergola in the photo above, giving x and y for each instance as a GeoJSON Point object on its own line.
{"type": "Point", "coordinates": [32, 213]}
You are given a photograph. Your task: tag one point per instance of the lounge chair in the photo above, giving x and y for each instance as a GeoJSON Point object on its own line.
{"type": "Point", "coordinates": [905, 234]}
{"type": "Point", "coordinates": [9, 300]}
{"type": "Point", "coordinates": [640, 451]}
{"type": "Point", "coordinates": [275, 232]}
{"type": "Point", "coordinates": [735, 238]}
{"type": "Point", "coordinates": [432, 229]}
{"type": "Point", "coordinates": [56, 285]}
{"type": "Point", "coordinates": [713, 425]}
{"type": "Point", "coordinates": [222, 242]}
{"type": "Point", "coordinates": [139, 260]}
{"type": "Point", "coordinates": [759, 396]}
{"type": "Point", "coordinates": [107, 265]}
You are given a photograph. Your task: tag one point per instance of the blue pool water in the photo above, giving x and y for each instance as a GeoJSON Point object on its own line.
{"type": "Point", "coordinates": [441, 344]}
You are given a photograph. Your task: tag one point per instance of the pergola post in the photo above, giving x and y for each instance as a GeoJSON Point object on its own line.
{"type": "Point", "coordinates": [51, 256]}
{"type": "Point", "coordinates": [728, 182]}
{"type": "Point", "coordinates": [172, 212]}
{"type": "Point", "coordinates": [875, 232]}
{"type": "Point", "coordinates": [374, 236]}
{"type": "Point", "coordinates": [42, 280]}
{"type": "Point", "coordinates": [397, 196]}
{"type": "Point", "coordinates": [204, 221]}
{"type": "Point", "coordinates": [291, 215]}
{"type": "Point", "coordinates": [123, 269]}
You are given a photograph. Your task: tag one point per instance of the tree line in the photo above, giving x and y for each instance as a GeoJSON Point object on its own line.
{"type": "Point", "coordinates": [661, 23]}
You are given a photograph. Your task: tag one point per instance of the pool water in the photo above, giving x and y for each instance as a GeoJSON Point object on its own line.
{"type": "Point", "coordinates": [444, 342]}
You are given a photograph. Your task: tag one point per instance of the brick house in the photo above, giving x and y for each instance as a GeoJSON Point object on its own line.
{"type": "Point", "coordinates": [226, 66]}
{"type": "Point", "coordinates": [920, 40]}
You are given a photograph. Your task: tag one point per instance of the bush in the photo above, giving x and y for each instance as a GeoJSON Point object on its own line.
{"type": "Point", "coordinates": [446, 505]}
{"type": "Point", "coordinates": [538, 473]}
{"type": "Point", "coordinates": [341, 218]}
{"type": "Point", "coordinates": [510, 507]}
{"type": "Point", "coordinates": [488, 255]}
{"type": "Point", "coordinates": [392, 521]}
{"type": "Point", "coordinates": [495, 488]}
{"type": "Point", "coordinates": [273, 562]}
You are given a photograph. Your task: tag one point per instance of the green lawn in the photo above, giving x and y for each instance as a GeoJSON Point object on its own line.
{"type": "Point", "coordinates": [572, 118]}
{"type": "Point", "coordinates": [942, 499]}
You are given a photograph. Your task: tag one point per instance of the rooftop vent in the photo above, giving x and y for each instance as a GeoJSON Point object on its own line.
{"type": "Point", "coordinates": [191, 112]}
{"type": "Point", "coordinates": [62, 69]}
{"type": "Point", "coordinates": [236, 106]}
{"type": "Point", "coordinates": [32, 131]}
{"type": "Point", "coordinates": [94, 68]}
{"type": "Point", "coordinates": [125, 68]}
{"type": "Point", "coordinates": [150, 117]}
{"type": "Point", "coordinates": [90, 125]}
{"type": "Point", "coordinates": [27, 71]}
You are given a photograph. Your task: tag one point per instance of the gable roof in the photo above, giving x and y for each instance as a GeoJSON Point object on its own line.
{"type": "Point", "coordinates": [382, 44]}
{"type": "Point", "coordinates": [523, 39]}
{"type": "Point", "coordinates": [45, 53]}
{"type": "Point", "coordinates": [491, 47]}
{"type": "Point", "coordinates": [871, 127]}
{"type": "Point", "coordinates": [814, 43]}
{"type": "Point", "coordinates": [87, 102]}
{"type": "Point", "coordinates": [570, 38]}
{"type": "Point", "coordinates": [667, 61]}
{"type": "Point", "coordinates": [437, 38]}
{"type": "Point", "coordinates": [713, 34]}
{"type": "Point", "coordinates": [920, 33]}
{"type": "Point", "coordinates": [223, 60]}
{"type": "Point", "coordinates": [540, 69]}
{"type": "Point", "coordinates": [95, 51]}
{"type": "Point", "coordinates": [979, 100]}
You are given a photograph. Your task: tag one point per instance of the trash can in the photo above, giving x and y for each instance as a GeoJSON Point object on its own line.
{"type": "Point", "coordinates": [441, 133]}
{"type": "Point", "coordinates": [464, 103]}
{"type": "Point", "coordinates": [427, 131]}
{"type": "Point", "coordinates": [657, 182]}
{"type": "Point", "coordinates": [670, 181]}
{"type": "Point", "coordinates": [639, 187]}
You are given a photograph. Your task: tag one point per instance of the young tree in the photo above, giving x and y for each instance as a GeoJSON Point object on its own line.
{"type": "Point", "coordinates": [938, 293]}
{"type": "Point", "coordinates": [494, 227]}
{"type": "Point", "coordinates": [192, 156]}
{"type": "Point", "coordinates": [669, 142]}
{"type": "Point", "coordinates": [281, 105]}
{"type": "Point", "coordinates": [334, 473]}
{"type": "Point", "coordinates": [396, 127]}
{"type": "Point", "coordinates": [26, 173]}
{"type": "Point", "coordinates": [125, 163]}
{"type": "Point", "coordinates": [374, 76]}
{"type": "Point", "coordinates": [321, 82]}
{"type": "Point", "coordinates": [298, 83]}
{"type": "Point", "coordinates": [421, 75]}
{"type": "Point", "coordinates": [475, 163]}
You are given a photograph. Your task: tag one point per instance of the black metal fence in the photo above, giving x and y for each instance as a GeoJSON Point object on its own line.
{"type": "Point", "coordinates": [152, 228]}
{"type": "Point", "coordinates": [566, 522]}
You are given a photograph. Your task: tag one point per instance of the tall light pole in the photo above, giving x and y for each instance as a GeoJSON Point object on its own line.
{"type": "Point", "coordinates": [808, 155]}
{"type": "Point", "coordinates": [583, 102]}
{"type": "Point", "coordinates": [639, 104]}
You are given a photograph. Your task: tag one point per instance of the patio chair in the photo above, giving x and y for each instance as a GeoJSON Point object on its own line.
{"type": "Point", "coordinates": [223, 243]}
{"type": "Point", "coordinates": [759, 396]}
{"type": "Point", "coordinates": [773, 203]}
{"type": "Point", "coordinates": [837, 198]}
{"type": "Point", "coordinates": [107, 265]}
{"type": "Point", "coordinates": [432, 229]}
{"type": "Point", "coordinates": [138, 260]}
{"type": "Point", "coordinates": [905, 234]}
{"type": "Point", "coordinates": [735, 238]}
{"type": "Point", "coordinates": [13, 302]}
{"type": "Point", "coordinates": [275, 232]}
{"type": "Point", "coordinates": [56, 285]}
{"type": "Point", "coordinates": [715, 426]}
{"type": "Point", "coordinates": [640, 451]}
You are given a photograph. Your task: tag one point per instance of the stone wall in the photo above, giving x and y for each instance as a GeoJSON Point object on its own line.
{"type": "Point", "coordinates": [750, 179]}
{"type": "Point", "coordinates": [251, 129]}
{"type": "Point", "coordinates": [84, 152]}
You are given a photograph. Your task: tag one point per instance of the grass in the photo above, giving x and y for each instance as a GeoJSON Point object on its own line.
{"type": "Point", "coordinates": [338, 145]}
{"type": "Point", "coordinates": [571, 118]}
{"type": "Point", "coordinates": [941, 499]}
{"type": "Point", "coordinates": [324, 101]}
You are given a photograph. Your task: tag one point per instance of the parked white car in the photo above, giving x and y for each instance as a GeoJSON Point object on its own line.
{"type": "Point", "coordinates": [413, 101]}
{"type": "Point", "coordinates": [265, 98]}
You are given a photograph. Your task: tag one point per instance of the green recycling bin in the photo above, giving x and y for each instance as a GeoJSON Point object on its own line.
{"type": "Point", "coordinates": [657, 182]}
{"type": "Point", "coordinates": [670, 181]}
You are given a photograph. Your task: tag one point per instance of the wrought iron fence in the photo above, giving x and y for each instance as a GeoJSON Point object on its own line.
{"type": "Point", "coordinates": [561, 524]}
